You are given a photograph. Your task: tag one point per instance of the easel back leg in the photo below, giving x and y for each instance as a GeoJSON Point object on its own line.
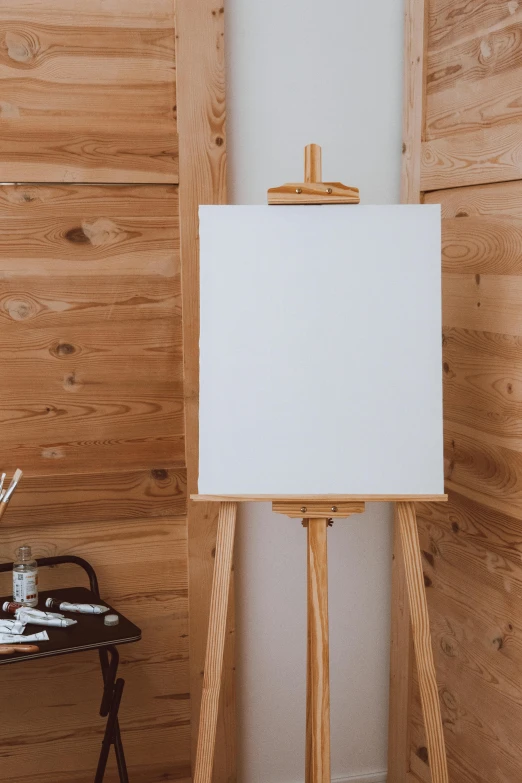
{"type": "Point", "coordinates": [422, 641]}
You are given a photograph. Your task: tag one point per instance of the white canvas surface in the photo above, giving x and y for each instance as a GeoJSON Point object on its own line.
{"type": "Point", "coordinates": [320, 350]}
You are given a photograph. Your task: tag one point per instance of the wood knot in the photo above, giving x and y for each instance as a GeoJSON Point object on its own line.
{"type": "Point", "coordinates": [403, 147]}
{"type": "Point", "coordinates": [70, 382]}
{"type": "Point", "coordinates": [219, 141]}
{"type": "Point", "coordinates": [429, 557]}
{"type": "Point", "coordinates": [455, 527]}
{"type": "Point", "coordinates": [78, 236]}
{"type": "Point", "coordinates": [448, 647]}
{"type": "Point", "coordinates": [427, 581]}
{"type": "Point", "coordinates": [498, 642]}
{"type": "Point", "coordinates": [21, 46]}
{"type": "Point", "coordinates": [461, 213]}
{"type": "Point", "coordinates": [159, 474]}
{"type": "Point", "coordinates": [53, 452]}
{"type": "Point", "coordinates": [62, 349]}
{"type": "Point", "coordinates": [20, 309]}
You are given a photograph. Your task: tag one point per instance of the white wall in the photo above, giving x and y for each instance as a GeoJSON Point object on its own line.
{"type": "Point", "coordinates": [330, 72]}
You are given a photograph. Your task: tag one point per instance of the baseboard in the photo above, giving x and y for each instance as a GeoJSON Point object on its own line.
{"type": "Point", "coordinates": [376, 777]}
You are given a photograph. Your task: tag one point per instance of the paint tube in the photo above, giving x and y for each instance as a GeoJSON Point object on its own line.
{"type": "Point", "coordinates": [11, 638]}
{"type": "Point", "coordinates": [12, 626]}
{"type": "Point", "coordinates": [12, 607]}
{"type": "Point", "coordinates": [43, 618]}
{"type": "Point", "coordinates": [65, 606]}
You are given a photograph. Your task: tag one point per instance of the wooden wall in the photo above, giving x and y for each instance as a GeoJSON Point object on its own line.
{"type": "Point", "coordinates": [463, 136]}
{"type": "Point", "coordinates": [91, 399]}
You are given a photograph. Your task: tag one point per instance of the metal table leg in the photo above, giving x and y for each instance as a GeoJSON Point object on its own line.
{"type": "Point", "coordinates": [111, 699]}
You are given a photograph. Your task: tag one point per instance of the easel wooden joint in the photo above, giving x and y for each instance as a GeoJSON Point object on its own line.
{"type": "Point", "coordinates": [317, 512]}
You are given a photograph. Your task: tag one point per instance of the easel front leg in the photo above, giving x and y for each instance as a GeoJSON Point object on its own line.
{"type": "Point", "coordinates": [422, 642]}
{"type": "Point", "coordinates": [215, 643]}
{"type": "Point", "coordinates": [318, 663]}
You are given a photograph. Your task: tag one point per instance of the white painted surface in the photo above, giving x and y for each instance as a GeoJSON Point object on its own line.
{"type": "Point", "coordinates": [320, 350]}
{"type": "Point", "coordinates": [330, 72]}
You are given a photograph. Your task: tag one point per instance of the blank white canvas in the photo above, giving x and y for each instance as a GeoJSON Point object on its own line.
{"type": "Point", "coordinates": [320, 350]}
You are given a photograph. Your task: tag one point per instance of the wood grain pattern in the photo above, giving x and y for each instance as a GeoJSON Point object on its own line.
{"type": "Point", "coordinates": [473, 158]}
{"type": "Point", "coordinates": [454, 21]}
{"type": "Point", "coordinates": [56, 498]}
{"type": "Point", "coordinates": [318, 662]}
{"type": "Point", "coordinates": [471, 557]}
{"type": "Point", "coordinates": [422, 642]}
{"type": "Point", "coordinates": [88, 97]}
{"type": "Point", "coordinates": [401, 642]}
{"type": "Point", "coordinates": [102, 400]}
{"type": "Point", "coordinates": [401, 662]}
{"type": "Point", "coordinates": [92, 406]}
{"type": "Point", "coordinates": [201, 127]}
{"type": "Point", "coordinates": [413, 100]}
{"type": "Point", "coordinates": [215, 653]}
{"type": "Point", "coordinates": [474, 568]}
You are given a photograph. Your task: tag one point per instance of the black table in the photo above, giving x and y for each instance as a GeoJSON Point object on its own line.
{"type": "Point", "coordinates": [89, 633]}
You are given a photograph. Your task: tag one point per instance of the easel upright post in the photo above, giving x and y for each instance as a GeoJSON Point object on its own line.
{"type": "Point", "coordinates": [318, 657]}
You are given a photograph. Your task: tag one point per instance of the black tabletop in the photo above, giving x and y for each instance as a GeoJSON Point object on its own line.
{"type": "Point", "coordinates": [89, 632]}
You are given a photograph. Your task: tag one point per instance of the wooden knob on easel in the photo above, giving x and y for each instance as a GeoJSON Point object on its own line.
{"type": "Point", "coordinates": [313, 163]}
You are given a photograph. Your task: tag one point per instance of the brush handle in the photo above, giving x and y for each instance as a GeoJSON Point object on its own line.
{"type": "Point", "coordinates": [8, 649]}
{"type": "Point", "coordinates": [3, 507]}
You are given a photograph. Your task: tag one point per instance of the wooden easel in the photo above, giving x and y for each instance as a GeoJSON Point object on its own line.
{"type": "Point", "coordinates": [317, 513]}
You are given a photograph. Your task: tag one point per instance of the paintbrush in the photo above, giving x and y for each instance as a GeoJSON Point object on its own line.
{"type": "Point", "coordinates": [8, 649]}
{"type": "Point", "coordinates": [10, 489]}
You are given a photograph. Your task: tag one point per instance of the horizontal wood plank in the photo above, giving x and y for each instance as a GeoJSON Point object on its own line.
{"type": "Point", "coordinates": [88, 97]}
{"type": "Point", "coordinates": [56, 498]}
{"type": "Point", "coordinates": [90, 307]}
{"type": "Point", "coordinates": [501, 200]}
{"type": "Point", "coordinates": [26, 201]}
{"type": "Point", "coordinates": [474, 158]}
{"type": "Point", "coordinates": [489, 303]}
{"type": "Point", "coordinates": [454, 21]}
{"type": "Point", "coordinates": [482, 244]}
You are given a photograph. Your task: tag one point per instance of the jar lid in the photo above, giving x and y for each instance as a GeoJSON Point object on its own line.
{"type": "Point", "coordinates": [111, 619]}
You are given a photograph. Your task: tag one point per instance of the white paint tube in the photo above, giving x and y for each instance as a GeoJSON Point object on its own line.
{"type": "Point", "coordinates": [12, 626]}
{"type": "Point", "coordinates": [43, 618]}
{"type": "Point", "coordinates": [13, 608]}
{"type": "Point", "coordinates": [65, 606]}
{"type": "Point", "coordinates": [11, 638]}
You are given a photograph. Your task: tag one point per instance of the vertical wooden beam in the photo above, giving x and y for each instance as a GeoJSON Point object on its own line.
{"type": "Point", "coordinates": [413, 99]}
{"type": "Point", "coordinates": [215, 652]}
{"type": "Point", "coordinates": [200, 71]}
{"type": "Point", "coordinates": [422, 642]}
{"type": "Point", "coordinates": [415, 17]}
{"type": "Point", "coordinates": [318, 663]}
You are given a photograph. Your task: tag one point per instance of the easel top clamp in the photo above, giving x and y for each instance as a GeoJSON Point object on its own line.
{"type": "Point", "coordinates": [317, 512]}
